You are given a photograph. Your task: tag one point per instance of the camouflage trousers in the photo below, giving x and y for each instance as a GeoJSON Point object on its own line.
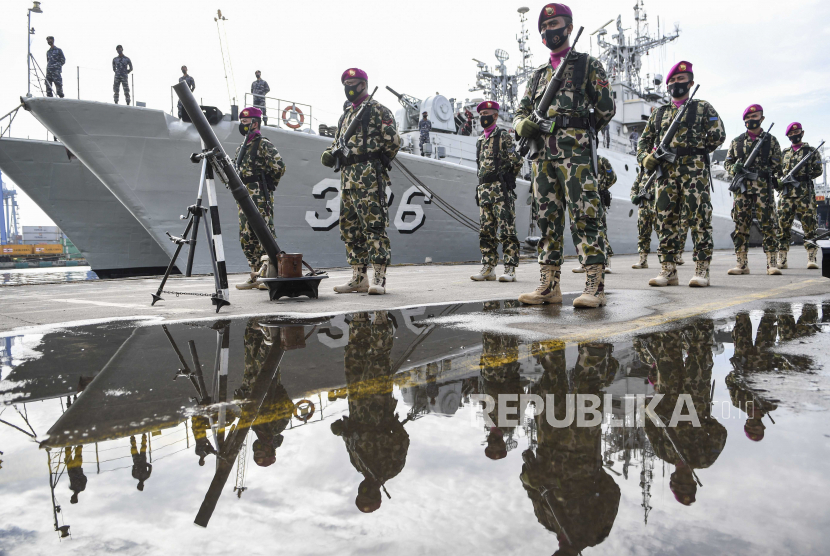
{"type": "Point", "coordinates": [684, 195]}
{"type": "Point", "coordinates": [54, 77]}
{"type": "Point", "coordinates": [646, 221]}
{"type": "Point", "coordinates": [363, 221]}
{"type": "Point", "coordinates": [498, 225]}
{"type": "Point", "coordinates": [803, 208]}
{"type": "Point", "coordinates": [604, 226]}
{"type": "Point", "coordinates": [123, 81]}
{"type": "Point", "coordinates": [754, 198]}
{"type": "Point", "coordinates": [562, 185]}
{"type": "Point", "coordinates": [251, 246]}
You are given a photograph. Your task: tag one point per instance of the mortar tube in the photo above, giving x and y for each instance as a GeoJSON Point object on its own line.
{"type": "Point", "coordinates": [238, 189]}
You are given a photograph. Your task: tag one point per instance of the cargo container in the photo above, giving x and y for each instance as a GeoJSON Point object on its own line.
{"type": "Point", "coordinates": [42, 235]}
{"type": "Point", "coordinates": [16, 250]}
{"type": "Point", "coordinates": [48, 249]}
{"type": "Point", "coordinates": [41, 230]}
{"type": "Point", "coordinates": [39, 241]}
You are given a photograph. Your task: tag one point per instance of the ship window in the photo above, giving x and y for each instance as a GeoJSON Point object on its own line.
{"type": "Point", "coordinates": [626, 167]}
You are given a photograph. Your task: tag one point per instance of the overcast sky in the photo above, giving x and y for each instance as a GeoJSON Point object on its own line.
{"type": "Point", "coordinates": [771, 53]}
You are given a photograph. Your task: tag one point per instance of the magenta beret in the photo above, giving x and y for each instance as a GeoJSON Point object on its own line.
{"type": "Point", "coordinates": [487, 105]}
{"type": "Point", "coordinates": [553, 10]}
{"type": "Point", "coordinates": [752, 108]}
{"type": "Point", "coordinates": [251, 112]}
{"type": "Point", "coordinates": [680, 67]}
{"type": "Point", "coordinates": [354, 73]}
{"type": "Point", "coordinates": [792, 126]}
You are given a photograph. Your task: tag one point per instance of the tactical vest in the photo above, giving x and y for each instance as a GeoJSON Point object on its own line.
{"type": "Point", "coordinates": [743, 149]}
{"type": "Point", "coordinates": [691, 115]}
{"type": "Point", "coordinates": [575, 85]}
{"type": "Point", "coordinates": [365, 126]}
{"type": "Point", "coordinates": [259, 175]}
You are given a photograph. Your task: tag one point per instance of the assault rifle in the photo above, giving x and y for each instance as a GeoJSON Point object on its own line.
{"type": "Point", "coordinates": [342, 152]}
{"type": "Point", "coordinates": [789, 180]}
{"type": "Point", "coordinates": [532, 147]}
{"type": "Point", "coordinates": [530, 460]}
{"type": "Point", "coordinates": [740, 179]}
{"type": "Point", "coordinates": [664, 153]}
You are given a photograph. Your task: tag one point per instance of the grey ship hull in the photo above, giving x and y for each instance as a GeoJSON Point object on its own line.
{"type": "Point", "coordinates": [141, 155]}
{"type": "Point", "coordinates": [111, 240]}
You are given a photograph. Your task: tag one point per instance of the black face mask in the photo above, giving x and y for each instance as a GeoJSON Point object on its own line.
{"type": "Point", "coordinates": [487, 121]}
{"type": "Point", "coordinates": [555, 38]}
{"type": "Point", "coordinates": [796, 139]}
{"type": "Point", "coordinates": [244, 128]}
{"type": "Point", "coordinates": [752, 125]}
{"type": "Point", "coordinates": [678, 90]}
{"type": "Point", "coordinates": [351, 92]}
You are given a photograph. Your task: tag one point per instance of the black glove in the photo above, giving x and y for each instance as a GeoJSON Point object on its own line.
{"type": "Point", "coordinates": [605, 196]}
{"type": "Point", "coordinates": [635, 200]}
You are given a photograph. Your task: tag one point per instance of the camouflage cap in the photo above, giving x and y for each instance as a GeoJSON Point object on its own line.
{"type": "Point", "coordinates": [553, 10]}
{"type": "Point", "coordinates": [487, 105]}
{"type": "Point", "coordinates": [250, 112]}
{"type": "Point", "coordinates": [680, 67]}
{"type": "Point", "coordinates": [354, 73]}
{"type": "Point", "coordinates": [795, 126]}
{"type": "Point", "coordinates": [752, 109]}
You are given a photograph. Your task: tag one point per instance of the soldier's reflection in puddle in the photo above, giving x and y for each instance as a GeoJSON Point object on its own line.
{"type": "Point", "coordinates": [572, 494]}
{"type": "Point", "coordinates": [141, 468]}
{"type": "Point", "coordinates": [75, 470]}
{"type": "Point", "coordinates": [375, 439]}
{"type": "Point", "coordinates": [499, 371]}
{"type": "Point", "coordinates": [685, 445]}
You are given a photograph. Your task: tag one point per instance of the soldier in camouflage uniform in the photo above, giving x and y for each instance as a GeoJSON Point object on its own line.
{"type": "Point", "coordinates": [376, 441]}
{"type": "Point", "coordinates": [191, 84]}
{"type": "Point", "coordinates": [758, 194]}
{"type": "Point", "coordinates": [200, 425]}
{"type": "Point", "coordinates": [498, 165]}
{"type": "Point", "coordinates": [122, 67]}
{"type": "Point", "coordinates": [683, 191]}
{"type": "Point", "coordinates": [259, 89]}
{"type": "Point", "coordinates": [563, 179]}
{"type": "Point", "coordinates": [141, 468]}
{"type": "Point", "coordinates": [261, 174]}
{"type": "Point", "coordinates": [75, 470]}
{"type": "Point", "coordinates": [364, 214]}
{"type": "Point", "coordinates": [606, 179]}
{"type": "Point", "coordinates": [424, 127]}
{"type": "Point", "coordinates": [572, 494]}
{"type": "Point", "coordinates": [499, 370]}
{"type": "Point", "coordinates": [799, 201]}
{"type": "Point", "coordinates": [54, 66]}
{"type": "Point", "coordinates": [646, 220]}
{"type": "Point", "coordinates": [685, 446]}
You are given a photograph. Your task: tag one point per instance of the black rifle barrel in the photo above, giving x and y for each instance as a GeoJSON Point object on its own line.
{"type": "Point", "coordinates": [755, 151]}
{"type": "Point", "coordinates": [238, 189]}
{"type": "Point", "coordinates": [394, 92]}
{"type": "Point", "coordinates": [801, 163]}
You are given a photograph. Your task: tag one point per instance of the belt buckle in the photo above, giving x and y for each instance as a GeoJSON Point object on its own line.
{"type": "Point", "coordinates": [565, 121]}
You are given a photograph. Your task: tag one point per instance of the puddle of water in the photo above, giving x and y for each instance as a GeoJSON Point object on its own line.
{"type": "Point", "coordinates": [50, 275]}
{"type": "Point", "coordinates": [361, 433]}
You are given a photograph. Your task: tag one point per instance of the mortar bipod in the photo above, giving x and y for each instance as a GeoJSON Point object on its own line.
{"type": "Point", "coordinates": [213, 235]}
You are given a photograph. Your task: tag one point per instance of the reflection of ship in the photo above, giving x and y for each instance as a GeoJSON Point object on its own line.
{"type": "Point", "coordinates": [108, 236]}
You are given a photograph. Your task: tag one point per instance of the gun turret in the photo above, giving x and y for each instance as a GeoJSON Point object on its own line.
{"type": "Point", "coordinates": [411, 108]}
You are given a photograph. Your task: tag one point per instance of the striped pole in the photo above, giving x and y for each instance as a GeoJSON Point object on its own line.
{"type": "Point", "coordinates": [221, 274]}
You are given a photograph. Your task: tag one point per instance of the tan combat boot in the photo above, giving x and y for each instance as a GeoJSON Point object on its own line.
{"type": "Point", "coordinates": [359, 282]}
{"type": "Point", "coordinates": [594, 293]}
{"type": "Point", "coordinates": [486, 274]}
{"type": "Point", "coordinates": [701, 277]}
{"type": "Point", "coordinates": [548, 290]}
{"type": "Point", "coordinates": [782, 260]}
{"type": "Point", "coordinates": [509, 274]}
{"type": "Point", "coordinates": [812, 258]}
{"type": "Point", "coordinates": [608, 265]}
{"type": "Point", "coordinates": [578, 269]}
{"type": "Point", "coordinates": [266, 270]}
{"type": "Point", "coordinates": [678, 260]}
{"type": "Point", "coordinates": [772, 263]}
{"type": "Point", "coordinates": [378, 286]}
{"type": "Point", "coordinates": [667, 276]}
{"type": "Point", "coordinates": [643, 261]}
{"type": "Point", "coordinates": [742, 267]}
{"type": "Point", "coordinates": [250, 283]}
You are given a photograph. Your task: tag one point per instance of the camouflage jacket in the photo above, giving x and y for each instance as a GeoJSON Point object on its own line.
{"type": "Point", "coordinates": [638, 183]}
{"type": "Point", "coordinates": [268, 160]}
{"type": "Point", "coordinates": [511, 164]}
{"type": "Point", "coordinates": [607, 177]}
{"type": "Point", "coordinates": [54, 59]}
{"type": "Point", "coordinates": [707, 130]}
{"type": "Point", "coordinates": [381, 136]}
{"type": "Point", "coordinates": [594, 93]}
{"type": "Point", "coordinates": [770, 165]}
{"type": "Point", "coordinates": [260, 87]}
{"type": "Point", "coordinates": [122, 65]}
{"type": "Point", "coordinates": [808, 172]}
